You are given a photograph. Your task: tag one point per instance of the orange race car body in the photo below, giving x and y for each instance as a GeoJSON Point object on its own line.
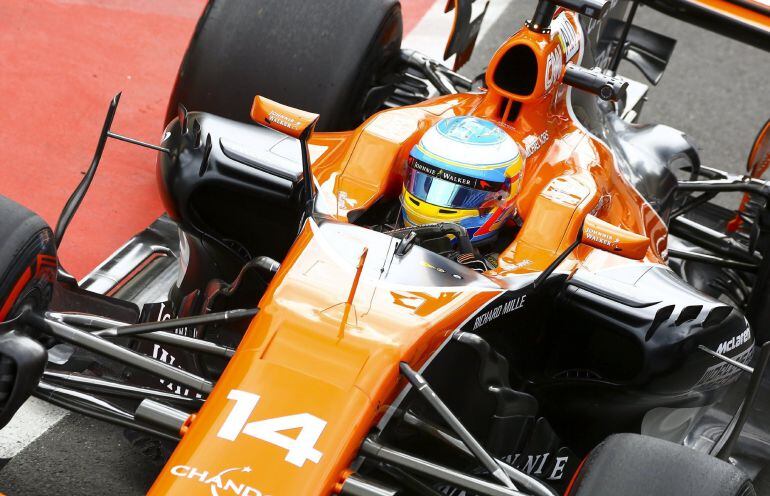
{"type": "Point", "coordinates": [295, 336]}
{"type": "Point", "coordinates": [319, 366]}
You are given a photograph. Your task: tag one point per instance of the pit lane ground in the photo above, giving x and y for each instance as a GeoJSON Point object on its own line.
{"type": "Point", "coordinates": [715, 89]}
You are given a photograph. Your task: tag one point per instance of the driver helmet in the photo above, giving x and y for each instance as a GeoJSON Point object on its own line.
{"type": "Point", "coordinates": [464, 170]}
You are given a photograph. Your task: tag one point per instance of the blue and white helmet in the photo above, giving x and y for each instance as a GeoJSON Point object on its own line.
{"type": "Point", "coordinates": [464, 170]}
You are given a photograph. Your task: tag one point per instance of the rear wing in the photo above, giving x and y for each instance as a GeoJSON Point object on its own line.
{"type": "Point", "coordinates": [743, 20]}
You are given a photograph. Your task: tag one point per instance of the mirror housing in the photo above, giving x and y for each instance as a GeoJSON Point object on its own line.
{"type": "Point", "coordinates": [604, 236]}
{"type": "Point", "coordinates": [295, 123]}
{"type": "Point", "coordinates": [759, 158]}
{"type": "Point", "coordinates": [288, 120]}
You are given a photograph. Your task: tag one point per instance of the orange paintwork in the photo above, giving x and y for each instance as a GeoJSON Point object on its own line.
{"type": "Point", "coordinates": [739, 12]}
{"type": "Point", "coordinates": [294, 357]}
{"type": "Point", "coordinates": [542, 46]}
{"type": "Point", "coordinates": [605, 236]}
{"type": "Point", "coordinates": [756, 166]}
{"type": "Point", "coordinates": [759, 158]}
{"type": "Point", "coordinates": [281, 117]}
{"type": "Point", "coordinates": [301, 355]}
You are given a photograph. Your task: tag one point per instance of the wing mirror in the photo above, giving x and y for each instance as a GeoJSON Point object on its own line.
{"type": "Point", "coordinates": [295, 123]}
{"type": "Point", "coordinates": [288, 120]}
{"type": "Point", "coordinates": [759, 158]}
{"type": "Point", "coordinates": [603, 236]}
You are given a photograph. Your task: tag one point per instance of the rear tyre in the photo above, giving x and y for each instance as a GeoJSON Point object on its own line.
{"type": "Point", "coordinates": [634, 465]}
{"type": "Point", "coordinates": [324, 57]}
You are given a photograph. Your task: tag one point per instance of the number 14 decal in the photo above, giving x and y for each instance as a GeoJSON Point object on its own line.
{"type": "Point", "coordinates": [300, 449]}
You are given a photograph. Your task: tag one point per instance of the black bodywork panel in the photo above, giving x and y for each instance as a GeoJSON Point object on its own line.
{"type": "Point", "coordinates": [541, 377]}
{"type": "Point", "coordinates": [230, 181]}
{"type": "Point", "coordinates": [647, 50]}
{"type": "Point", "coordinates": [600, 350]}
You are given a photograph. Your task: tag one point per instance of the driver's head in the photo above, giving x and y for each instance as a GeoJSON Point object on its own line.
{"type": "Point", "coordinates": [464, 170]}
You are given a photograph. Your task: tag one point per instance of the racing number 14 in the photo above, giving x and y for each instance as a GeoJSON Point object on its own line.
{"type": "Point", "coordinates": [301, 448]}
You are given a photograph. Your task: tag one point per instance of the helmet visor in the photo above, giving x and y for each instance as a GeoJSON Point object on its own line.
{"type": "Point", "coordinates": [444, 193]}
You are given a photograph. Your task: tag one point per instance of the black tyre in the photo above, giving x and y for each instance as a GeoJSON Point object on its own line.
{"type": "Point", "coordinates": [27, 259]}
{"type": "Point", "coordinates": [762, 482]}
{"type": "Point", "coordinates": [27, 270]}
{"type": "Point", "coordinates": [633, 465]}
{"type": "Point", "coordinates": [325, 57]}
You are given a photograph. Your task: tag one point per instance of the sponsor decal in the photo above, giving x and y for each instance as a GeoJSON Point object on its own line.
{"type": "Point", "coordinates": [442, 174]}
{"type": "Point", "coordinates": [602, 238]}
{"type": "Point", "coordinates": [164, 311]}
{"type": "Point", "coordinates": [553, 67]}
{"type": "Point", "coordinates": [722, 373]}
{"type": "Point", "coordinates": [299, 449]}
{"type": "Point", "coordinates": [161, 354]}
{"type": "Point", "coordinates": [452, 177]}
{"type": "Point", "coordinates": [160, 312]}
{"type": "Point", "coordinates": [223, 483]}
{"type": "Point", "coordinates": [536, 465]}
{"type": "Point", "coordinates": [734, 342]}
{"type": "Point", "coordinates": [565, 32]}
{"type": "Point", "coordinates": [284, 120]}
{"type": "Point", "coordinates": [534, 142]}
{"type": "Point", "coordinates": [499, 310]}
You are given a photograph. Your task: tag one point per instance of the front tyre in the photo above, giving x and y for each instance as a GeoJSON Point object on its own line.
{"type": "Point", "coordinates": [27, 260]}
{"type": "Point", "coordinates": [331, 58]}
{"type": "Point", "coordinates": [28, 268]}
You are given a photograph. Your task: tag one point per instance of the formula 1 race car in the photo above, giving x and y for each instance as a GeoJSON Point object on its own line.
{"type": "Point", "coordinates": [497, 287]}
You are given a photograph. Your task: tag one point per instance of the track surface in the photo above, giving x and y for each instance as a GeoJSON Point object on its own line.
{"type": "Point", "coordinates": [715, 89]}
{"type": "Point", "coordinates": [61, 62]}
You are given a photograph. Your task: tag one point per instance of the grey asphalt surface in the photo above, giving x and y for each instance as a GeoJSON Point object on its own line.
{"type": "Point", "coordinates": [715, 89]}
{"type": "Point", "coordinates": [79, 457]}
